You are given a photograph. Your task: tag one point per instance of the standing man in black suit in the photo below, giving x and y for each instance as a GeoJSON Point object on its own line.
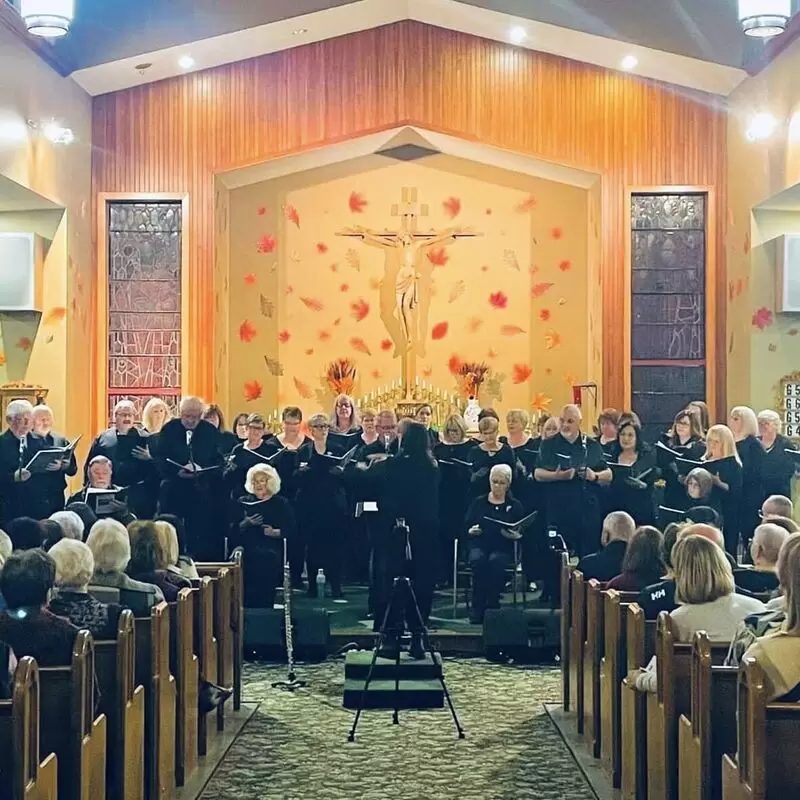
{"type": "Point", "coordinates": [56, 480]}
{"type": "Point", "coordinates": [190, 459]}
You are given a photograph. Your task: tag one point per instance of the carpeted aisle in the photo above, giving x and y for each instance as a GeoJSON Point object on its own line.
{"type": "Point", "coordinates": [295, 747]}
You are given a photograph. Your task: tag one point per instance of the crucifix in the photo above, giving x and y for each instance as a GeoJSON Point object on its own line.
{"type": "Point", "coordinates": [405, 288]}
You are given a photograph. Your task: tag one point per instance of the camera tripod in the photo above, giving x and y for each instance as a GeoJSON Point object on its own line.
{"type": "Point", "coordinates": [402, 593]}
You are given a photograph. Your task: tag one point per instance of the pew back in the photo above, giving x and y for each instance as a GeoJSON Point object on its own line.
{"type": "Point", "coordinates": [205, 644]}
{"type": "Point", "coordinates": [593, 646]}
{"type": "Point", "coordinates": [577, 638]}
{"type": "Point", "coordinates": [566, 629]}
{"type": "Point", "coordinates": [185, 667]}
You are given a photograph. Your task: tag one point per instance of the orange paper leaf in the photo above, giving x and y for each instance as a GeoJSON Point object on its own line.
{"type": "Point", "coordinates": [284, 336]}
{"type": "Point", "coordinates": [250, 279]}
{"type": "Point", "coordinates": [537, 290]}
{"type": "Point", "coordinates": [540, 402]}
{"type": "Point", "coordinates": [544, 314]}
{"type": "Point", "coordinates": [474, 324]}
{"type": "Point", "coordinates": [454, 364]}
{"type": "Point", "coordinates": [438, 256]}
{"type": "Point", "coordinates": [452, 207]}
{"type": "Point", "coordinates": [357, 202]}
{"type": "Point", "coordinates": [345, 287]}
{"type": "Point", "coordinates": [520, 373]}
{"type": "Point", "coordinates": [552, 339]}
{"type": "Point", "coordinates": [322, 248]}
{"type": "Point", "coordinates": [556, 233]}
{"type": "Point", "coordinates": [25, 343]}
{"type": "Point", "coordinates": [55, 315]}
{"type": "Point", "coordinates": [290, 212]}
{"type": "Point", "coordinates": [427, 372]}
{"type": "Point", "coordinates": [266, 244]}
{"type": "Point", "coordinates": [359, 345]}
{"type": "Point", "coordinates": [359, 309]}
{"type": "Point", "coordinates": [2, 359]}
{"type": "Point", "coordinates": [252, 391]}
{"type": "Point", "coordinates": [247, 331]}
{"type": "Point", "coordinates": [565, 266]}
{"type": "Point", "coordinates": [386, 344]}
{"type": "Point", "coordinates": [324, 336]}
{"type": "Point", "coordinates": [376, 373]}
{"type": "Point", "coordinates": [528, 204]}
{"type": "Point", "coordinates": [303, 389]}
{"type": "Point", "coordinates": [312, 303]}
{"type": "Point", "coordinates": [439, 331]}
{"type": "Point", "coordinates": [262, 210]}
{"type": "Point", "coordinates": [511, 330]}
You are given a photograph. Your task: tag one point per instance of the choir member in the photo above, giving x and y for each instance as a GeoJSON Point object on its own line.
{"type": "Point", "coordinates": [99, 475]}
{"type": "Point", "coordinates": [424, 416]}
{"type": "Point", "coordinates": [700, 492]}
{"type": "Point", "coordinates": [23, 493]}
{"type": "Point", "coordinates": [700, 409]}
{"type": "Point", "coordinates": [744, 426]}
{"type": "Point", "coordinates": [266, 521]}
{"type": "Point", "coordinates": [321, 506]}
{"type": "Point", "coordinates": [190, 460]}
{"type": "Point", "coordinates": [491, 546]}
{"type": "Point", "coordinates": [239, 426]}
{"type": "Point", "coordinates": [253, 450]}
{"type": "Point", "coordinates": [486, 454]}
{"type": "Point", "coordinates": [549, 427]}
{"type": "Point", "coordinates": [227, 439]}
{"type": "Point", "coordinates": [721, 459]}
{"type": "Point", "coordinates": [607, 423]}
{"type": "Point", "coordinates": [154, 415]}
{"type": "Point", "coordinates": [409, 491]}
{"type": "Point", "coordinates": [685, 437]}
{"type": "Point", "coordinates": [369, 430]}
{"type": "Point", "coordinates": [572, 465]}
{"type": "Point", "coordinates": [632, 489]}
{"type": "Point", "coordinates": [55, 481]}
{"type": "Point", "coordinates": [345, 416]}
{"type": "Point", "coordinates": [128, 450]}
{"type": "Point", "coordinates": [779, 466]}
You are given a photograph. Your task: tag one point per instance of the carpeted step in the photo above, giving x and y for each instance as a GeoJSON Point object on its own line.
{"type": "Point", "coordinates": [417, 694]}
{"type": "Point", "coordinates": [356, 667]}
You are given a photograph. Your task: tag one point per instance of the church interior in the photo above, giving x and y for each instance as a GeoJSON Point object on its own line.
{"type": "Point", "coordinates": [436, 357]}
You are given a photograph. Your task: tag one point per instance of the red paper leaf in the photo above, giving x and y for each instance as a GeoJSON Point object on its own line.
{"type": "Point", "coordinates": [312, 303]}
{"type": "Point", "coordinates": [324, 336]}
{"type": "Point", "coordinates": [252, 391]}
{"type": "Point", "coordinates": [359, 309]}
{"type": "Point", "coordinates": [359, 345]}
{"type": "Point", "coordinates": [498, 300]}
{"type": "Point", "coordinates": [544, 314]}
{"type": "Point", "coordinates": [345, 287]}
{"type": "Point", "coordinates": [454, 364]}
{"type": "Point", "coordinates": [540, 288]}
{"type": "Point", "coordinates": [452, 207]}
{"type": "Point", "coordinates": [511, 330]}
{"type": "Point", "coordinates": [528, 204]}
{"type": "Point", "coordinates": [488, 212]}
{"type": "Point", "coordinates": [438, 256]}
{"type": "Point", "coordinates": [565, 266]}
{"type": "Point", "coordinates": [247, 331]}
{"type": "Point", "coordinates": [266, 244]}
{"type": "Point", "coordinates": [357, 202]}
{"type": "Point", "coordinates": [439, 331]}
{"type": "Point", "coordinates": [762, 318]}
{"type": "Point", "coordinates": [262, 211]}
{"type": "Point", "coordinates": [284, 336]}
{"type": "Point", "coordinates": [25, 343]}
{"type": "Point", "coordinates": [334, 267]}
{"type": "Point", "coordinates": [556, 233]}
{"type": "Point", "coordinates": [322, 247]}
{"type": "Point", "coordinates": [520, 373]}
{"type": "Point", "coordinates": [303, 389]}
{"type": "Point", "coordinates": [250, 279]}
{"type": "Point", "coordinates": [376, 373]}
{"type": "Point", "coordinates": [386, 344]}
{"type": "Point", "coordinates": [491, 354]}
{"type": "Point", "coordinates": [290, 212]}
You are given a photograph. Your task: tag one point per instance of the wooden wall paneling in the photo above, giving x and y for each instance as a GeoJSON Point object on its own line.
{"type": "Point", "coordinates": [175, 135]}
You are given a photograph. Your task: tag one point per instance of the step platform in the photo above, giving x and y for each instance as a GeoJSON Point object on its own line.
{"type": "Point", "coordinates": [356, 667]}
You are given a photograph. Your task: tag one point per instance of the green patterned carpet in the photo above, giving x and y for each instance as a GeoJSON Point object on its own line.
{"type": "Point", "coordinates": [295, 746]}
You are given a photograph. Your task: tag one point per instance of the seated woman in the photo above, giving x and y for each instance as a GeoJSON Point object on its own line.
{"type": "Point", "coordinates": [25, 533]}
{"type": "Point", "coordinates": [149, 561]}
{"type": "Point", "coordinates": [26, 625]}
{"type": "Point", "coordinates": [74, 569]}
{"type": "Point", "coordinates": [99, 476]}
{"type": "Point", "coordinates": [490, 547]}
{"type": "Point", "coordinates": [172, 531]}
{"type": "Point", "coordinates": [111, 547]}
{"type": "Point", "coordinates": [53, 533]}
{"type": "Point", "coordinates": [266, 521]}
{"type": "Point", "coordinates": [487, 454]}
{"type": "Point", "coordinates": [643, 562]}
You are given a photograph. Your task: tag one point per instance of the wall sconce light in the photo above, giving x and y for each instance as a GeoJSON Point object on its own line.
{"type": "Point", "coordinates": [53, 131]}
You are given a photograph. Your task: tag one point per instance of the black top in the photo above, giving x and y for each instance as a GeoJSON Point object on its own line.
{"type": "Point", "coordinates": [605, 564]}
{"type": "Point", "coordinates": [730, 473]}
{"type": "Point", "coordinates": [629, 496]}
{"type": "Point", "coordinates": [751, 454]}
{"type": "Point", "coordinates": [55, 483]}
{"type": "Point", "coordinates": [755, 581]}
{"type": "Point", "coordinates": [409, 490]}
{"type": "Point", "coordinates": [286, 464]}
{"type": "Point", "coordinates": [127, 470]}
{"type": "Point", "coordinates": [454, 485]}
{"type": "Point", "coordinates": [491, 537]}
{"type": "Point", "coordinates": [241, 459]}
{"type": "Point", "coordinates": [674, 490]}
{"type": "Point", "coordinates": [523, 486]}
{"type": "Point", "coordinates": [21, 498]}
{"type": "Point", "coordinates": [276, 512]}
{"type": "Point", "coordinates": [481, 463]}
{"type": "Point", "coordinates": [657, 597]}
{"type": "Point", "coordinates": [320, 485]}
{"type": "Point", "coordinates": [204, 450]}
{"type": "Point", "coordinates": [581, 454]}
{"type": "Point", "coordinates": [778, 468]}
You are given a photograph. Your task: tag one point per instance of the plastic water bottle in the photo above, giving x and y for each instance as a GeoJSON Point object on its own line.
{"type": "Point", "coordinates": [321, 583]}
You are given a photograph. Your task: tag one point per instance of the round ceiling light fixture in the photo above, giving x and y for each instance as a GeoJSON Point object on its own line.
{"type": "Point", "coordinates": [48, 18]}
{"type": "Point", "coordinates": [764, 18]}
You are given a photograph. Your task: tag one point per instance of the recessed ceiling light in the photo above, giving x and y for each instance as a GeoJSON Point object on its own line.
{"type": "Point", "coordinates": [629, 62]}
{"type": "Point", "coordinates": [186, 62]}
{"type": "Point", "coordinates": [517, 34]}
{"type": "Point", "coordinates": [299, 31]}
{"type": "Point", "coordinates": [761, 126]}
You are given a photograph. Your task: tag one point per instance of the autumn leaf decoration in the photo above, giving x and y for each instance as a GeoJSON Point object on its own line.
{"type": "Point", "coordinates": [303, 389]}
{"type": "Point", "coordinates": [511, 330]}
{"type": "Point", "coordinates": [386, 344]}
{"type": "Point", "coordinates": [552, 339]}
{"type": "Point", "coordinates": [528, 204]}
{"type": "Point", "coordinates": [55, 315]}
{"type": "Point", "coordinates": [250, 279]}
{"type": "Point", "coordinates": [340, 375]}
{"type": "Point", "coordinates": [456, 290]}
{"type": "Point", "coordinates": [439, 331]}
{"type": "Point", "coordinates": [540, 402]}
{"type": "Point", "coordinates": [438, 256]}
{"type": "Point", "coordinates": [322, 248]}
{"type": "Point", "coordinates": [290, 212]}
{"type": "Point", "coordinates": [452, 207]}
{"type": "Point", "coordinates": [359, 309]}
{"type": "Point", "coordinates": [520, 373]}
{"type": "Point", "coordinates": [470, 376]}
{"type": "Point", "coordinates": [498, 300]}
{"type": "Point", "coordinates": [312, 303]}
{"type": "Point", "coordinates": [762, 318]}
{"type": "Point", "coordinates": [359, 345]}
{"type": "Point", "coordinates": [565, 265]}
{"type": "Point", "coordinates": [266, 244]}
{"type": "Point", "coordinates": [540, 288]}
{"type": "Point", "coordinates": [357, 202]}
{"type": "Point", "coordinates": [284, 336]}
{"type": "Point", "coordinates": [252, 391]}
{"type": "Point", "coordinates": [247, 331]}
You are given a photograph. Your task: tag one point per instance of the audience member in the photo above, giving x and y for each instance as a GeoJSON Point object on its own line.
{"type": "Point", "coordinates": [185, 563]}
{"type": "Point", "coordinates": [149, 561]}
{"type": "Point", "coordinates": [52, 532]}
{"type": "Point", "coordinates": [643, 563]}
{"type": "Point", "coordinates": [618, 528]}
{"type": "Point", "coordinates": [168, 538]}
{"type": "Point", "coordinates": [776, 505]}
{"type": "Point", "coordinates": [6, 546]}
{"type": "Point", "coordinates": [26, 533]}
{"type": "Point", "coordinates": [70, 523]}
{"type": "Point", "coordinates": [764, 549]}
{"type": "Point", "coordinates": [789, 525]}
{"type": "Point", "coordinates": [84, 511]}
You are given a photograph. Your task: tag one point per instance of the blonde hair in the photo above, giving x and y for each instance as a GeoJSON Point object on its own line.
{"type": "Point", "coordinates": [355, 416]}
{"type": "Point", "coordinates": [273, 479]}
{"type": "Point", "coordinates": [748, 418]}
{"type": "Point", "coordinates": [168, 539]}
{"type": "Point", "coordinates": [147, 413]}
{"type": "Point", "coordinates": [789, 576]}
{"type": "Point", "coordinates": [455, 421]}
{"type": "Point", "coordinates": [702, 573]}
{"type": "Point", "coordinates": [554, 422]}
{"type": "Point", "coordinates": [521, 414]}
{"type": "Point", "coordinates": [369, 412]}
{"type": "Point", "coordinates": [724, 435]}
{"type": "Point", "coordinates": [488, 426]}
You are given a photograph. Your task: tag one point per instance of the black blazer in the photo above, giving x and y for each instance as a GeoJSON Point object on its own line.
{"type": "Point", "coordinates": [205, 450]}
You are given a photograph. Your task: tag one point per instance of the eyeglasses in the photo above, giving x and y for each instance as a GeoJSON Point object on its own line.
{"type": "Point", "coordinates": [320, 427]}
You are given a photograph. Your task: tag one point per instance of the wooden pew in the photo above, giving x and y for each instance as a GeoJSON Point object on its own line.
{"type": "Point", "coordinates": [612, 670]}
{"type": "Point", "coordinates": [640, 638]}
{"type": "Point", "coordinates": [22, 776]}
{"type": "Point", "coordinates": [205, 646]}
{"type": "Point", "coordinates": [576, 640]}
{"type": "Point", "coordinates": [566, 629]}
{"type": "Point", "coordinates": [673, 698]}
{"type": "Point", "coordinates": [767, 763]}
{"type": "Point", "coordinates": [69, 727]}
{"type": "Point", "coordinates": [592, 653]}
{"type": "Point", "coordinates": [152, 671]}
{"type": "Point", "coordinates": [710, 731]}
{"type": "Point", "coordinates": [185, 666]}
{"type": "Point", "coordinates": [122, 700]}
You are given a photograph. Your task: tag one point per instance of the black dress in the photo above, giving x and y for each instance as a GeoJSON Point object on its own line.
{"type": "Point", "coordinates": [778, 468]}
{"type": "Point", "coordinates": [628, 496]}
{"type": "Point", "coordinates": [751, 454]}
{"type": "Point", "coordinates": [55, 483]}
{"type": "Point", "coordinates": [674, 490]}
{"type": "Point", "coordinates": [21, 498]}
{"type": "Point", "coordinates": [729, 471]}
{"type": "Point", "coordinates": [481, 463]}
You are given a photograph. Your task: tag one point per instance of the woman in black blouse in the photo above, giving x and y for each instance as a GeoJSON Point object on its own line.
{"type": "Point", "coordinates": [485, 455]}
{"type": "Point", "coordinates": [253, 450]}
{"type": "Point", "coordinates": [744, 426]}
{"type": "Point", "coordinates": [424, 416]}
{"type": "Point", "coordinates": [633, 492]}
{"type": "Point", "coordinates": [779, 467]}
{"type": "Point", "coordinates": [722, 460]}
{"type": "Point", "coordinates": [685, 437]}
{"type": "Point", "coordinates": [227, 439]}
{"type": "Point", "coordinates": [491, 547]}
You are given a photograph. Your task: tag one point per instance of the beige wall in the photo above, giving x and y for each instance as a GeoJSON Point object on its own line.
{"type": "Point", "coordinates": [30, 90]}
{"type": "Point", "coordinates": [298, 302]}
{"type": "Point", "coordinates": [757, 359]}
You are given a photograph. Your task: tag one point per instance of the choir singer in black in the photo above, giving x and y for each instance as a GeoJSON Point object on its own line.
{"type": "Point", "coordinates": [55, 480]}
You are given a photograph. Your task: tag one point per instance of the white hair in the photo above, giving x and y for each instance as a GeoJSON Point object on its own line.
{"type": "Point", "coordinates": [100, 460]}
{"type": "Point", "coordinates": [16, 408]}
{"type": "Point", "coordinates": [619, 525]}
{"type": "Point", "coordinates": [123, 404]}
{"type": "Point", "coordinates": [573, 409]}
{"type": "Point", "coordinates": [501, 471]}
{"type": "Point", "coordinates": [768, 539]}
{"type": "Point", "coordinates": [773, 417]}
{"type": "Point", "coordinates": [191, 402]}
{"type": "Point", "coordinates": [110, 545]}
{"type": "Point", "coordinates": [748, 418]}
{"type": "Point", "coordinates": [273, 479]}
{"type": "Point", "coordinates": [6, 545]}
{"type": "Point", "coordinates": [74, 564]}
{"type": "Point", "coordinates": [70, 523]}
{"type": "Point", "coordinates": [42, 408]}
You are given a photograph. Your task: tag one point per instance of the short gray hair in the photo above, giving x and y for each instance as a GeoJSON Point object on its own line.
{"type": "Point", "coordinates": [16, 408]}
{"type": "Point", "coordinates": [74, 564]}
{"type": "Point", "coordinates": [777, 505]}
{"type": "Point", "coordinates": [110, 545]}
{"type": "Point", "coordinates": [42, 408]}
{"type": "Point", "coordinates": [769, 539]}
{"type": "Point", "coordinates": [773, 417]}
{"type": "Point", "coordinates": [319, 419]}
{"type": "Point", "coordinates": [192, 401]}
{"type": "Point", "coordinates": [6, 545]}
{"type": "Point", "coordinates": [501, 471]}
{"type": "Point", "coordinates": [129, 404]}
{"type": "Point", "coordinates": [273, 479]}
{"type": "Point", "coordinates": [619, 526]}
{"type": "Point", "coordinates": [70, 523]}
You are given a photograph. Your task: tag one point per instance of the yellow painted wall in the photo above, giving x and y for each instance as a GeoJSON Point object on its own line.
{"type": "Point", "coordinates": [516, 297]}
{"type": "Point", "coordinates": [30, 90]}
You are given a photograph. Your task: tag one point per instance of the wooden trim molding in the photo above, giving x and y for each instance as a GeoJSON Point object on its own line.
{"type": "Point", "coordinates": [99, 417]}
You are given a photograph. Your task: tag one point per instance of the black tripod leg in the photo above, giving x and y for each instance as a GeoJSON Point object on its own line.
{"type": "Point", "coordinates": [396, 715]}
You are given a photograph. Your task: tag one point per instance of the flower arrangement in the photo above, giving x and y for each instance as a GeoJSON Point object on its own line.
{"type": "Point", "coordinates": [341, 375]}
{"type": "Point", "coordinates": [470, 376]}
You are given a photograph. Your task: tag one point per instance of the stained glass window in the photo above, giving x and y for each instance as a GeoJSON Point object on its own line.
{"type": "Point", "coordinates": [144, 302]}
{"type": "Point", "coordinates": [668, 313]}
